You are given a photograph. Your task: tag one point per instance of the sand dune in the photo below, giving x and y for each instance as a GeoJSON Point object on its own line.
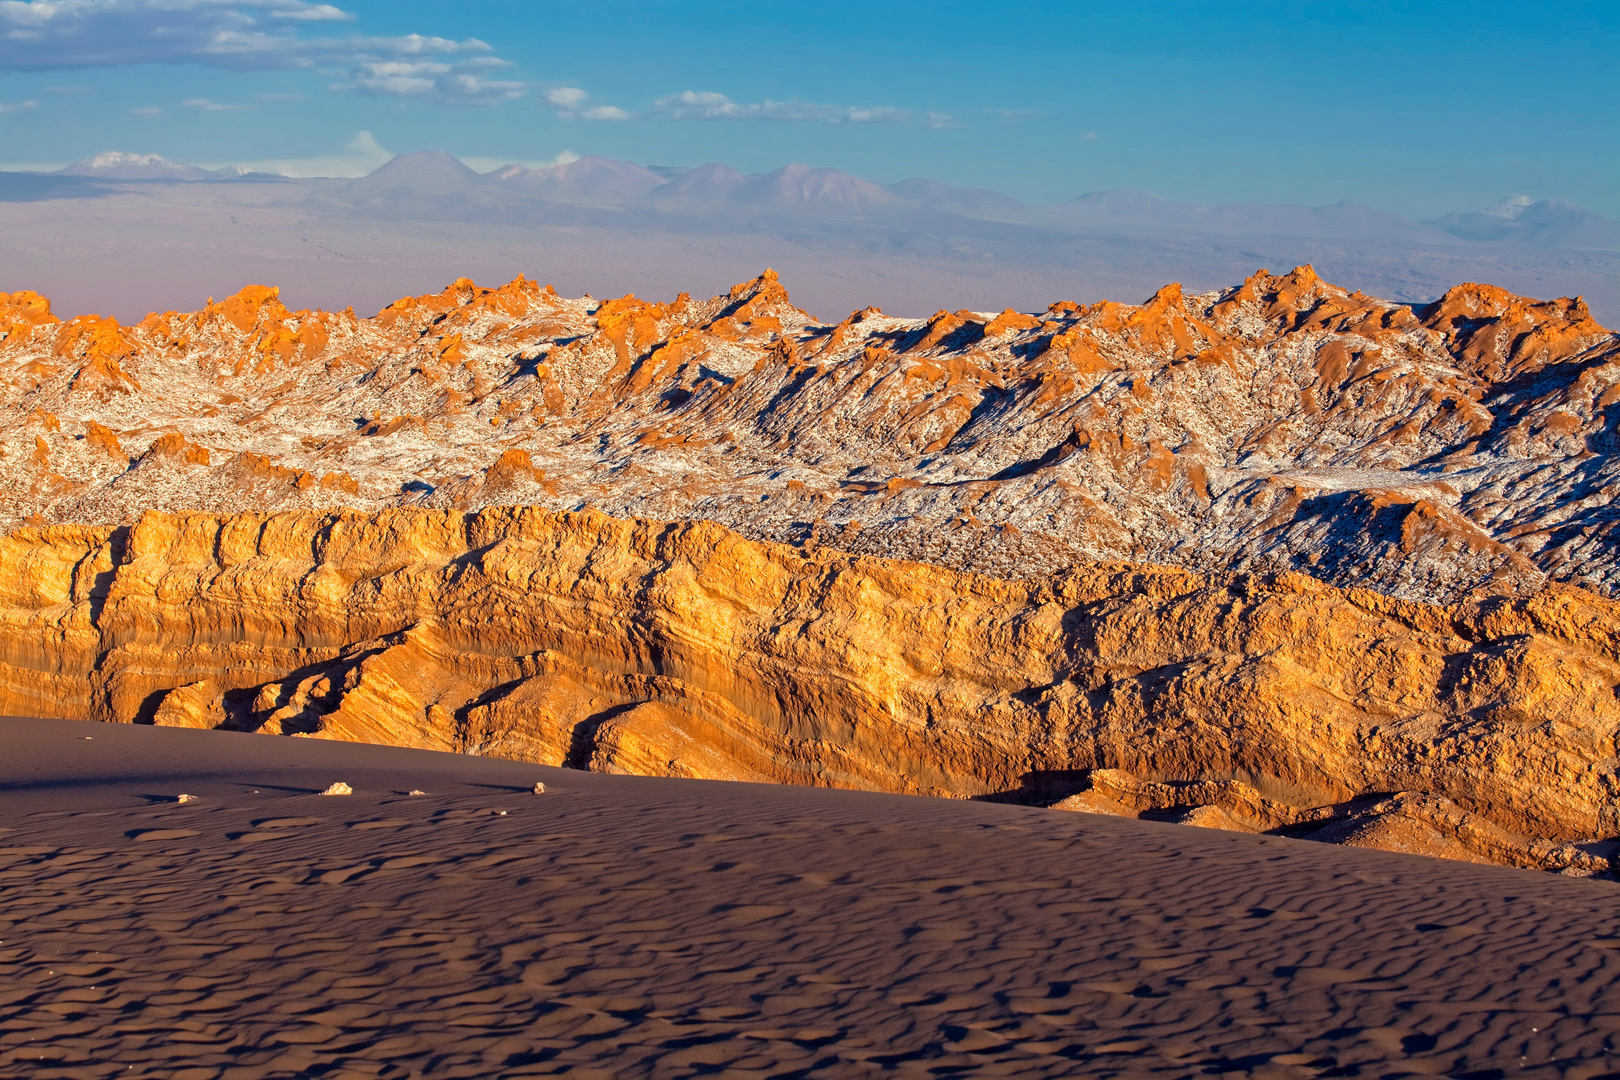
{"type": "Point", "coordinates": [623, 926]}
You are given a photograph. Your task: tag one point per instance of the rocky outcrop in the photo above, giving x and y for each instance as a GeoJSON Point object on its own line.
{"type": "Point", "coordinates": [1257, 701]}
{"type": "Point", "coordinates": [1426, 451]}
{"type": "Point", "coordinates": [1282, 557]}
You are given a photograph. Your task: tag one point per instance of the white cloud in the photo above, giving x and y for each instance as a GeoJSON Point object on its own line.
{"type": "Point", "coordinates": [209, 106]}
{"type": "Point", "coordinates": [146, 110]}
{"type": "Point", "coordinates": [941, 121]}
{"type": "Point", "coordinates": [568, 101]}
{"type": "Point", "coordinates": [708, 105]}
{"type": "Point", "coordinates": [18, 107]}
{"type": "Point", "coordinates": [400, 76]}
{"type": "Point", "coordinates": [244, 35]}
{"type": "Point", "coordinates": [359, 156]}
{"type": "Point", "coordinates": [451, 83]}
{"type": "Point", "coordinates": [313, 13]}
{"type": "Point", "coordinates": [881, 115]}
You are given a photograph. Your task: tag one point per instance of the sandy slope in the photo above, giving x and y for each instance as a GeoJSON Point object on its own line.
{"type": "Point", "coordinates": [650, 927]}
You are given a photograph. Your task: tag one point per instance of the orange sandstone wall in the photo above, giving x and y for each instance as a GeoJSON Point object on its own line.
{"type": "Point", "coordinates": [683, 649]}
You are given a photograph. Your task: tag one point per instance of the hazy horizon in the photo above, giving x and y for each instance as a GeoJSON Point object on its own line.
{"type": "Point", "coordinates": [839, 241]}
{"type": "Point", "coordinates": [109, 161]}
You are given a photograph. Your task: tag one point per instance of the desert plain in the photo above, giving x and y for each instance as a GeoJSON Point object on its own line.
{"type": "Point", "coordinates": [642, 926]}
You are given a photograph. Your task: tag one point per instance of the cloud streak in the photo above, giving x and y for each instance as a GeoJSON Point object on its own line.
{"type": "Point", "coordinates": [205, 105]}
{"type": "Point", "coordinates": [569, 101]}
{"type": "Point", "coordinates": [448, 82]}
{"type": "Point", "coordinates": [247, 35]}
{"type": "Point", "coordinates": [708, 105]}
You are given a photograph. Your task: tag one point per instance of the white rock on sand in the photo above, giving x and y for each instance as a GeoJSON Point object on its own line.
{"type": "Point", "coordinates": [339, 788]}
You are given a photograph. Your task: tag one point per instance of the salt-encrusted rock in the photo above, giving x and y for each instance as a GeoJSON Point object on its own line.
{"type": "Point", "coordinates": [1424, 451]}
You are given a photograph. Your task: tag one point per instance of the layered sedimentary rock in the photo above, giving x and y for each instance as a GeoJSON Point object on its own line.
{"type": "Point", "coordinates": [1484, 729]}
{"type": "Point", "coordinates": [1425, 451]}
{"type": "Point", "coordinates": [1282, 557]}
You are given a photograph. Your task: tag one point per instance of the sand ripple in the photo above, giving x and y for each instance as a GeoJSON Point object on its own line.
{"type": "Point", "coordinates": [667, 929]}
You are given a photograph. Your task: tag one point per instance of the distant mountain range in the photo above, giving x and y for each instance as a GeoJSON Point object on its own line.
{"type": "Point", "coordinates": [1550, 222]}
{"type": "Point", "coordinates": [113, 165]}
{"type": "Point", "coordinates": [437, 184]}
{"type": "Point", "coordinates": [607, 227]}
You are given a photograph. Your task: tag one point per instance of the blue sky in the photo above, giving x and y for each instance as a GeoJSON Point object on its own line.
{"type": "Point", "coordinates": [1417, 108]}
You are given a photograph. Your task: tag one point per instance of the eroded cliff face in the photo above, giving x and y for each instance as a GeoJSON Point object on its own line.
{"type": "Point", "coordinates": [1424, 451]}
{"type": "Point", "coordinates": [1485, 729]}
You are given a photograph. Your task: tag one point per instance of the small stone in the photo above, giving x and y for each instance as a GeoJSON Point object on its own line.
{"type": "Point", "coordinates": [539, 789]}
{"type": "Point", "coordinates": [500, 813]}
{"type": "Point", "coordinates": [339, 788]}
{"type": "Point", "coordinates": [416, 791]}
{"type": "Point", "coordinates": [185, 798]}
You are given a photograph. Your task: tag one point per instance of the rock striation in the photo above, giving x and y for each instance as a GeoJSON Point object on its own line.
{"type": "Point", "coordinates": [1430, 452]}
{"type": "Point", "coordinates": [1281, 558]}
{"type": "Point", "coordinates": [1485, 728]}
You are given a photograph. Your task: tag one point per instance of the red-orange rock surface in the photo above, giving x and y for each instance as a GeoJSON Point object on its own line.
{"type": "Point", "coordinates": [1379, 513]}
{"type": "Point", "coordinates": [1425, 451]}
{"type": "Point", "coordinates": [1484, 729]}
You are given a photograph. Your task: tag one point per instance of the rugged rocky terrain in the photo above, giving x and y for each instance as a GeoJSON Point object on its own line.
{"type": "Point", "coordinates": [1281, 558]}
{"type": "Point", "coordinates": [1426, 452]}
{"type": "Point", "coordinates": [1483, 730]}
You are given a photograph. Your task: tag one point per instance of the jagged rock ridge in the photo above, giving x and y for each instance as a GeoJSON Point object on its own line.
{"type": "Point", "coordinates": [1424, 451]}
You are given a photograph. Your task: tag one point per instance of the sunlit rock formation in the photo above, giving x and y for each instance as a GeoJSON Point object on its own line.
{"type": "Point", "coordinates": [1280, 558]}
{"type": "Point", "coordinates": [1426, 452]}
{"type": "Point", "coordinates": [1485, 729]}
